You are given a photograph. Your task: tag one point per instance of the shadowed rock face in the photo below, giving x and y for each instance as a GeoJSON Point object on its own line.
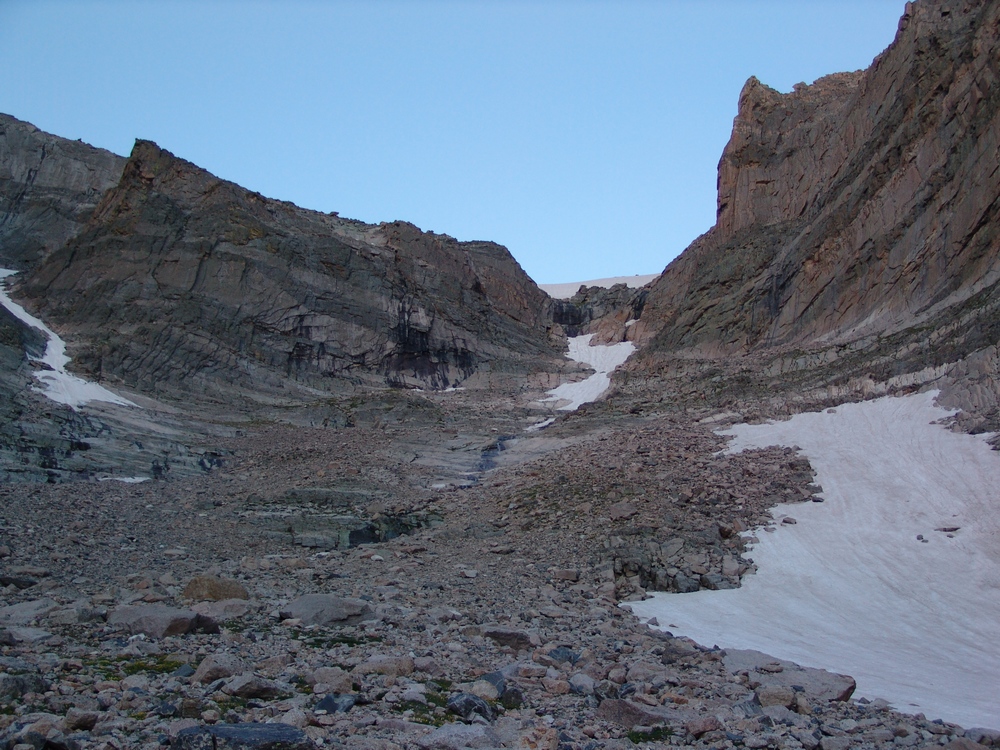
{"type": "Point", "coordinates": [865, 204]}
{"type": "Point", "coordinates": [183, 280]}
{"type": "Point", "coordinates": [49, 187]}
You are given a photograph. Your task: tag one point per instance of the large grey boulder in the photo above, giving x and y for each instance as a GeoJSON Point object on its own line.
{"type": "Point", "coordinates": [628, 714]}
{"type": "Point", "coordinates": [14, 686]}
{"type": "Point", "coordinates": [326, 609]}
{"type": "Point", "coordinates": [24, 613]}
{"type": "Point", "coordinates": [218, 666]}
{"type": "Point", "coordinates": [766, 671]}
{"type": "Point", "coordinates": [159, 621]}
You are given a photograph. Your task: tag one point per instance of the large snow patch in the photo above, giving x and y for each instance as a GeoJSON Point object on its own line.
{"type": "Point", "coordinates": [57, 384]}
{"type": "Point", "coordinates": [603, 358]}
{"type": "Point", "coordinates": [872, 582]}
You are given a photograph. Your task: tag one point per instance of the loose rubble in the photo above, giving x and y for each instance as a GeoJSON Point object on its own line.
{"type": "Point", "coordinates": [185, 614]}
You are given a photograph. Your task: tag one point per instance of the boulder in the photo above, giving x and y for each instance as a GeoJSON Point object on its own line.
{"type": "Point", "coordinates": [582, 683]}
{"type": "Point", "coordinates": [334, 678]}
{"type": "Point", "coordinates": [394, 666]}
{"type": "Point", "coordinates": [468, 705]}
{"type": "Point", "coordinates": [702, 726]}
{"type": "Point", "coordinates": [218, 666]}
{"type": "Point", "coordinates": [222, 610]}
{"type": "Point", "coordinates": [252, 686]}
{"type": "Point", "coordinates": [515, 639]}
{"type": "Point", "coordinates": [80, 719]}
{"type": "Point", "coordinates": [157, 620]}
{"type": "Point", "coordinates": [766, 671]}
{"type": "Point", "coordinates": [775, 695]}
{"type": "Point", "coordinates": [25, 613]}
{"type": "Point", "coordinates": [334, 703]}
{"type": "Point", "coordinates": [629, 714]}
{"type": "Point", "coordinates": [326, 609]}
{"type": "Point", "coordinates": [15, 686]}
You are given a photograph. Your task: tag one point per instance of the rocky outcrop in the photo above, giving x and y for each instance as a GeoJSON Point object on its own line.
{"type": "Point", "coordinates": [613, 308]}
{"type": "Point", "coordinates": [184, 282]}
{"type": "Point", "coordinates": [865, 205]}
{"type": "Point", "coordinates": [49, 187]}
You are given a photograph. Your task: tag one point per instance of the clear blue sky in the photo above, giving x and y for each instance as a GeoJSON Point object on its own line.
{"type": "Point", "coordinates": [584, 135]}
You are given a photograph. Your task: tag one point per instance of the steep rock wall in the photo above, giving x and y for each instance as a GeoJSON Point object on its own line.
{"type": "Point", "coordinates": [49, 187]}
{"type": "Point", "coordinates": [864, 204]}
{"type": "Point", "coordinates": [181, 280]}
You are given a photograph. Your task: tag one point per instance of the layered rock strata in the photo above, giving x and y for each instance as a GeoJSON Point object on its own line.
{"type": "Point", "coordinates": [181, 279]}
{"type": "Point", "coordinates": [49, 187]}
{"type": "Point", "coordinates": [857, 216]}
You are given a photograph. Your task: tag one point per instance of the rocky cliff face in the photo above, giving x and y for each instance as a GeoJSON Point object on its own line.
{"type": "Point", "coordinates": [864, 205]}
{"type": "Point", "coordinates": [183, 282]}
{"type": "Point", "coordinates": [49, 187]}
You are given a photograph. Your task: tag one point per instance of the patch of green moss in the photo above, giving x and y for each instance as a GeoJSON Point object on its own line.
{"type": "Point", "coordinates": [437, 699]}
{"type": "Point", "coordinates": [315, 639]}
{"type": "Point", "coordinates": [656, 734]}
{"type": "Point", "coordinates": [161, 664]}
{"type": "Point", "coordinates": [421, 713]}
{"type": "Point", "coordinates": [114, 668]}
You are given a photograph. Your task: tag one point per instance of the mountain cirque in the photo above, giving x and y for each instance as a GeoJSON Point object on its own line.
{"type": "Point", "coordinates": [418, 570]}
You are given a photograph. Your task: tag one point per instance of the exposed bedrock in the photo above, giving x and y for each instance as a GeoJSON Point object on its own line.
{"type": "Point", "coordinates": [864, 204]}
{"type": "Point", "coordinates": [183, 280]}
{"type": "Point", "coordinates": [49, 187]}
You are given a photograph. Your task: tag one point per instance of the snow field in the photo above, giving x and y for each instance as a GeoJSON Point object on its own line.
{"type": "Point", "coordinates": [57, 384]}
{"type": "Point", "coordinates": [604, 359]}
{"type": "Point", "coordinates": [872, 582]}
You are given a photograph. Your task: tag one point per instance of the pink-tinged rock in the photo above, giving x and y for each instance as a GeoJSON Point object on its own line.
{"type": "Point", "coordinates": [223, 610]}
{"type": "Point", "coordinates": [154, 620]}
{"type": "Point", "coordinates": [252, 686]}
{"type": "Point", "coordinates": [702, 725]}
{"type": "Point", "coordinates": [457, 736]}
{"type": "Point", "coordinates": [555, 687]}
{"type": "Point", "coordinates": [629, 714]}
{"type": "Point", "coordinates": [217, 666]}
{"type": "Point", "coordinates": [214, 589]}
{"type": "Point", "coordinates": [621, 510]}
{"type": "Point", "coordinates": [512, 637]}
{"type": "Point", "coordinates": [766, 671]}
{"type": "Point", "coordinates": [394, 666]}
{"type": "Point", "coordinates": [24, 613]}
{"type": "Point", "coordinates": [335, 679]}
{"type": "Point", "coordinates": [326, 609]}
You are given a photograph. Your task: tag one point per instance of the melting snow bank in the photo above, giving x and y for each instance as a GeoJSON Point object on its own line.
{"type": "Point", "coordinates": [57, 384]}
{"type": "Point", "coordinates": [604, 359]}
{"type": "Point", "coordinates": [895, 579]}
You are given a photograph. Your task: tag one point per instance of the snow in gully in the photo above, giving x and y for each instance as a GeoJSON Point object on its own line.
{"type": "Point", "coordinates": [56, 383]}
